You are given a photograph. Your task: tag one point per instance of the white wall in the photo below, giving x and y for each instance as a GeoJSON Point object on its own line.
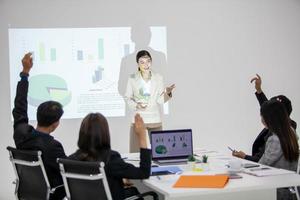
{"type": "Point", "coordinates": [214, 48]}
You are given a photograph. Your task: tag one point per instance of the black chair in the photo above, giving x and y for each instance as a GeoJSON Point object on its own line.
{"type": "Point", "coordinates": [87, 180]}
{"type": "Point", "coordinates": [31, 178]}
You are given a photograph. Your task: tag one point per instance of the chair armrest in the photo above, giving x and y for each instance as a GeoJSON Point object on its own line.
{"type": "Point", "coordinates": [53, 189]}
{"type": "Point", "coordinates": [292, 190]}
{"type": "Point", "coordinates": [150, 193]}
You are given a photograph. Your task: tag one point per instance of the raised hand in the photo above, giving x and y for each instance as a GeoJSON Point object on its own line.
{"type": "Point", "coordinates": [140, 130]}
{"type": "Point", "coordinates": [27, 63]}
{"type": "Point", "coordinates": [257, 81]}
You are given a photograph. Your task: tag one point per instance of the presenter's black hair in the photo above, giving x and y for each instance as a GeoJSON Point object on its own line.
{"type": "Point", "coordinates": [142, 53]}
{"type": "Point", "coordinates": [48, 113]}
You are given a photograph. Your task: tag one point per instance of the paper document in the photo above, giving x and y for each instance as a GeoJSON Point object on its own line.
{"type": "Point", "coordinates": [267, 171]}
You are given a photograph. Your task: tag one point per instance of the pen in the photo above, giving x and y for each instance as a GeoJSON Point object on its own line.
{"type": "Point", "coordinates": [230, 149]}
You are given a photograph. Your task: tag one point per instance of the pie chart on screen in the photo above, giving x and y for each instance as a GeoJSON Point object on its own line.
{"type": "Point", "coordinates": [46, 87]}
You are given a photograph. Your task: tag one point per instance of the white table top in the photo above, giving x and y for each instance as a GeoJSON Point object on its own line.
{"type": "Point", "coordinates": [217, 164]}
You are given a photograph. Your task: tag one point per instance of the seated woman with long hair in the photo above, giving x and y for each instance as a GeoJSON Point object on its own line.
{"type": "Point", "coordinates": [94, 145]}
{"type": "Point", "coordinates": [282, 149]}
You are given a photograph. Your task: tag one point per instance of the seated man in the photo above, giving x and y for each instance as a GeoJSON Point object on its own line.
{"type": "Point", "coordinates": [28, 138]}
{"type": "Point", "coordinates": [258, 147]}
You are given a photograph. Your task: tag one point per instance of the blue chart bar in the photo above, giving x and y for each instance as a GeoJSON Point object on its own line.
{"type": "Point", "coordinates": [126, 50]}
{"type": "Point", "coordinates": [79, 55]}
{"type": "Point", "coordinates": [98, 75]}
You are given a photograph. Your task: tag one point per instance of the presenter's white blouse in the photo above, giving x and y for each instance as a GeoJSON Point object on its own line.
{"type": "Point", "coordinates": [150, 93]}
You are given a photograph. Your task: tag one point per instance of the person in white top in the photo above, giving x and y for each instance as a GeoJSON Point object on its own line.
{"type": "Point", "coordinates": [145, 93]}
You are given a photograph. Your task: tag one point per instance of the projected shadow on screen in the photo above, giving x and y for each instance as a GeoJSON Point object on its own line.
{"type": "Point", "coordinates": [141, 37]}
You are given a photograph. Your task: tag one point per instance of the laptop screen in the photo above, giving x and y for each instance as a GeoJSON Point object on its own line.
{"type": "Point", "coordinates": [168, 144]}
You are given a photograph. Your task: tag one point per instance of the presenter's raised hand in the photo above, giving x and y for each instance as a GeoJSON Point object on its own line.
{"type": "Point", "coordinates": [170, 89]}
{"type": "Point", "coordinates": [140, 130]}
{"type": "Point", "coordinates": [257, 81]}
{"type": "Point", "coordinates": [27, 63]}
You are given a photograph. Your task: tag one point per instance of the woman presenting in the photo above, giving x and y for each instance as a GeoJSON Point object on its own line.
{"type": "Point", "coordinates": [144, 94]}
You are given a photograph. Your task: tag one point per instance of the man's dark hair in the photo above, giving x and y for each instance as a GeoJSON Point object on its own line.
{"type": "Point", "coordinates": [48, 113]}
{"type": "Point", "coordinates": [286, 103]}
{"type": "Point", "coordinates": [142, 53]}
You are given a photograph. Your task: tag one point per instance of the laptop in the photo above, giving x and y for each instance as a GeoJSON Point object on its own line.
{"type": "Point", "coordinates": [171, 146]}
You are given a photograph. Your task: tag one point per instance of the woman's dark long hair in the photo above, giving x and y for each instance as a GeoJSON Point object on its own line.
{"type": "Point", "coordinates": [94, 138]}
{"type": "Point", "coordinates": [277, 121]}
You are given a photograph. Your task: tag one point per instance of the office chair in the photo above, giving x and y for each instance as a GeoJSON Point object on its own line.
{"type": "Point", "coordinates": [31, 178]}
{"type": "Point", "coordinates": [87, 180]}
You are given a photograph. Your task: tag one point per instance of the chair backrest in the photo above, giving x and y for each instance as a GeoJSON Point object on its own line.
{"type": "Point", "coordinates": [31, 178]}
{"type": "Point", "coordinates": [84, 180]}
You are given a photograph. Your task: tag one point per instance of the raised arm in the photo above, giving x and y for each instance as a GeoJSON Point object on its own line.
{"type": "Point", "coordinates": [20, 103]}
{"type": "Point", "coordinates": [121, 169]}
{"type": "Point", "coordinates": [261, 97]}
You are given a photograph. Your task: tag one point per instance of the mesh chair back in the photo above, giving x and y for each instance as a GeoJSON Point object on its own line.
{"type": "Point", "coordinates": [84, 180]}
{"type": "Point", "coordinates": [31, 179]}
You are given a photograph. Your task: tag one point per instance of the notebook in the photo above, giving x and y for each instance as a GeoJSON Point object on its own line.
{"type": "Point", "coordinates": [171, 146]}
{"type": "Point", "coordinates": [267, 171]}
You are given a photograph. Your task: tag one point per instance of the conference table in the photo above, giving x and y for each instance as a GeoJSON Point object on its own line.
{"type": "Point", "coordinates": [246, 188]}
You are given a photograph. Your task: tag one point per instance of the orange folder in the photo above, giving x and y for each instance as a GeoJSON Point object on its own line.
{"type": "Point", "coordinates": [202, 181]}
